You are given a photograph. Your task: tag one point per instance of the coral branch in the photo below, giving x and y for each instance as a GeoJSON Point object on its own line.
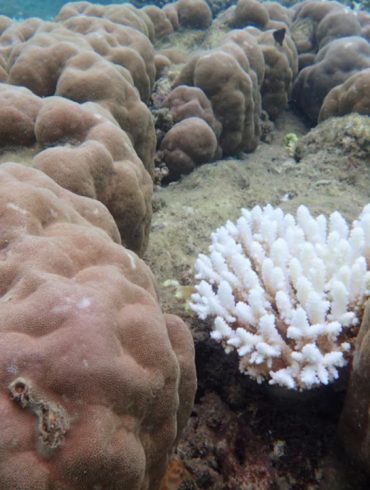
{"type": "Point", "coordinates": [286, 292]}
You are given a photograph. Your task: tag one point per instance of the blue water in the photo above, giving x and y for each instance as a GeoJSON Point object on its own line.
{"type": "Point", "coordinates": [45, 9]}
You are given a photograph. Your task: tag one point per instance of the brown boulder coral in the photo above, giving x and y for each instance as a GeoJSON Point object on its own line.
{"type": "Point", "coordinates": [306, 18]}
{"type": "Point", "coordinates": [186, 101]}
{"type": "Point", "coordinates": [161, 23]}
{"type": "Point", "coordinates": [121, 45]}
{"type": "Point", "coordinates": [38, 62]}
{"type": "Point", "coordinates": [193, 139]}
{"type": "Point", "coordinates": [336, 24]}
{"type": "Point", "coordinates": [252, 50]}
{"type": "Point", "coordinates": [225, 76]}
{"type": "Point", "coordinates": [354, 427]}
{"type": "Point", "coordinates": [248, 13]}
{"type": "Point", "coordinates": [193, 14]}
{"type": "Point", "coordinates": [281, 68]}
{"type": "Point", "coordinates": [334, 64]}
{"type": "Point", "coordinates": [172, 15]}
{"type": "Point", "coordinates": [15, 33]}
{"type": "Point", "coordinates": [5, 22]}
{"type": "Point", "coordinates": [364, 20]}
{"type": "Point", "coordinates": [84, 151]}
{"type": "Point", "coordinates": [126, 15]}
{"type": "Point", "coordinates": [187, 144]}
{"type": "Point", "coordinates": [86, 352]}
{"type": "Point", "coordinates": [18, 111]}
{"type": "Point", "coordinates": [62, 62]}
{"type": "Point", "coordinates": [162, 65]}
{"type": "Point", "coordinates": [351, 96]}
{"type": "Point", "coordinates": [93, 157]}
{"type": "Point", "coordinates": [89, 77]}
{"type": "Point", "coordinates": [278, 12]}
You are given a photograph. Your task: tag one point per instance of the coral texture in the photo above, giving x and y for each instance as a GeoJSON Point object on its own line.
{"type": "Point", "coordinates": [248, 13]}
{"type": "Point", "coordinates": [336, 24]}
{"type": "Point", "coordinates": [333, 65]}
{"type": "Point", "coordinates": [84, 151]}
{"type": "Point", "coordinates": [354, 428]}
{"type": "Point", "coordinates": [226, 77]}
{"type": "Point", "coordinates": [161, 23]}
{"type": "Point", "coordinates": [281, 67]}
{"type": "Point", "coordinates": [87, 59]}
{"type": "Point", "coordinates": [187, 144]}
{"type": "Point", "coordinates": [286, 292]}
{"type": "Point", "coordinates": [194, 14]}
{"type": "Point", "coordinates": [96, 383]}
{"type": "Point", "coordinates": [186, 101]}
{"type": "Point", "coordinates": [351, 96]}
{"type": "Point", "coordinates": [307, 16]}
{"type": "Point", "coordinates": [193, 139]}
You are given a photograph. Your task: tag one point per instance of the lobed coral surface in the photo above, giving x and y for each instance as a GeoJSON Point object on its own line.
{"type": "Point", "coordinates": [84, 348]}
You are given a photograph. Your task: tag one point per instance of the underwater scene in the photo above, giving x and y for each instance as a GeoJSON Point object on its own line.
{"type": "Point", "coordinates": [185, 245]}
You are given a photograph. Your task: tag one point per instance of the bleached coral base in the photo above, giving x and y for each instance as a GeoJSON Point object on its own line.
{"type": "Point", "coordinates": [286, 292]}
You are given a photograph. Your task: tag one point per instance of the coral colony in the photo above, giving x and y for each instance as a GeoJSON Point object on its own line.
{"type": "Point", "coordinates": [285, 292]}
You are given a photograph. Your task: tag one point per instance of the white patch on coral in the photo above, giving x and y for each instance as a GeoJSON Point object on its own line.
{"type": "Point", "coordinates": [84, 303]}
{"type": "Point", "coordinates": [132, 258]}
{"type": "Point", "coordinates": [15, 207]}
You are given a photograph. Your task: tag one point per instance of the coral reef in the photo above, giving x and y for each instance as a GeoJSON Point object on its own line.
{"type": "Point", "coordinates": [99, 106]}
{"type": "Point", "coordinates": [248, 13]}
{"type": "Point", "coordinates": [84, 151]}
{"type": "Point", "coordinates": [333, 65]}
{"type": "Point", "coordinates": [351, 96]}
{"type": "Point", "coordinates": [193, 13]}
{"type": "Point", "coordinates": [187, 144]}
{"type": "Point", "coordinates": [281, 62]}
{"type": "Point", "coordinates": [225, 76]}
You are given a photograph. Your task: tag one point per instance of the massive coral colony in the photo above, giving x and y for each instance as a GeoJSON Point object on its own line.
{"type": "Point", "coordinates": [286, 292]}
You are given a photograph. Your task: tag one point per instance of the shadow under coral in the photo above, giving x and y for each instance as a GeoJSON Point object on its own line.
{"type": "Point", "coordinates": [245, 436]}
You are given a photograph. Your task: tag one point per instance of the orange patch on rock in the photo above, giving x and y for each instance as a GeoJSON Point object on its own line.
{"type": "Point", "coordinates": [175, 475]}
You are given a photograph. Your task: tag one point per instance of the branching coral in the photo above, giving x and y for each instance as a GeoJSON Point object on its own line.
{"type": "Point", "coordinates": [286, 292]}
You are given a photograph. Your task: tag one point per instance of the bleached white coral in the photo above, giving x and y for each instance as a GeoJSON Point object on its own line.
{"type": "Point", "coordinates": [285, 292]}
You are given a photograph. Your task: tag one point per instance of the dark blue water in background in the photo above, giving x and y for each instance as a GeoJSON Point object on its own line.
{"type": "Point", "coordinates": [26, 8]}
{"type": "Point", "coordinates": [47, 9]}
